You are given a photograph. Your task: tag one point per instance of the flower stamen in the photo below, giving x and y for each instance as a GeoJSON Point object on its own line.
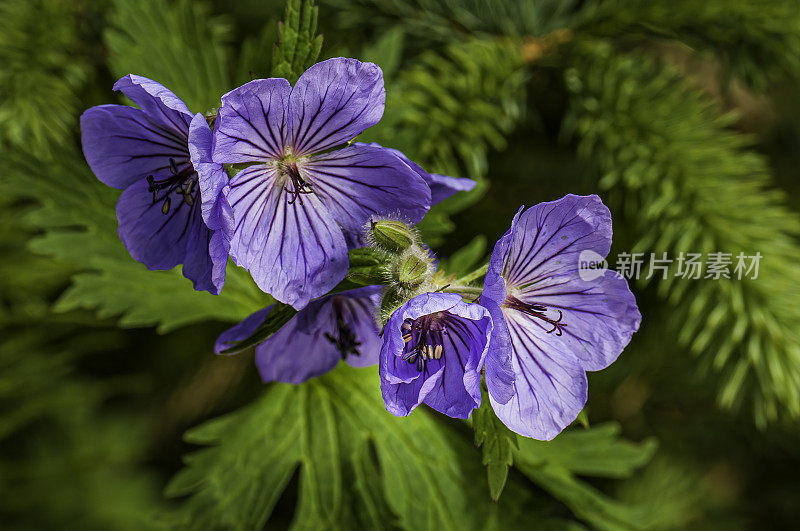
{"type": "Point", "coordinates": [300, 185]}
{"type": "Point", "coordinates": [538, 311]}
{"type": "Point", "coordinates": [429, 331]}
{"type": "Point", "coordinates": [345, 340]}
{"type": "Point", "coordinates": [184, 181]}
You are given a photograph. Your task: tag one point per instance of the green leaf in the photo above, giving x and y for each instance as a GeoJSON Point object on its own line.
{"type": "Point", "coordinates": [466, 258]}
{"type": "Point", "coordinates": [179, 44]}
{"type": "Point", "coordinates": [595, 452]}
{"type": "Point", "coordinates": [298, 47]}
{"type": "Point", "coordinates": [77, 216]}
{"type": "Point", "coordinates": [348, 451]}
{"type": "Point", "coordinates": [386, 51]}
{"type": "Point", "coordinates": [496, 441]}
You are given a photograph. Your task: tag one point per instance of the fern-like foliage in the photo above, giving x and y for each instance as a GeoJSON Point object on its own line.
{"type": "Point", "coordinates": [44, 66]}
{"type": "Point", "coordinates": [437, 20]}
{"type": "Point", "coordinates": [686, 182]}
{"type": "Point", "coordinates": [447, 110]}
{"type": "Point", "coordinates": [298, 46]}
{"type": "Point", "coordinates": [753, 39]}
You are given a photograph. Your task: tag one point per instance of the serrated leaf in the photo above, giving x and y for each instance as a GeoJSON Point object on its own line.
{"type": "Point", "coordinates": [298, 47]}
{"type": "Point", "coordinates": [324, 427]}
{"type": "Point", "coordinates": [594, 452]}
{"type": "Point", "coordinates": [497, 443]}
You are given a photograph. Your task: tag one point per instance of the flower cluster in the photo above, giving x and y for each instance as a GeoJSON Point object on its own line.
{"type": "Point", "coordinates": [280, 187]}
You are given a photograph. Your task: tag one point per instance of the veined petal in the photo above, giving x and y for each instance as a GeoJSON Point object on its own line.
{"type": "Point", "coordinates": [212, 178]}
{"type": "Point", "coordinates": [549, 237]}
{"type": "Point", "coordinates": [217, 212]}
{"type": "Point", "coordinates": [294, 251]}
{"type": "Point", "coordinates": [157, 240]}
{"type": "Point", "coordinates": [316, 338]}
{"type": "Point", "coordinates": [332, 102]}
{"type": "Point", "coordinates": [293, 356]}
{"type": "Point", "coordinates": [160, 103]}
{"type": "Point", "coordinates": [251, 123]}
{"type": "Point", "coordinates": [123, 145]}
{"type": "Point", "coordinates": [312, 343]}
{"type": "Point", "coordinates": [599, 316]}
{"type": "Point", "coordinates": [198, 264]}
{"type": "Point", "coordinates": [441, 186]}
{"type": "Point", "coordinates": [550, 385]}
{"type": "Point", "coordinates": [359, 182]}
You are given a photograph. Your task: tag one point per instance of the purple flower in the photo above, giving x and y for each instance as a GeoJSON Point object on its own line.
{"type": "Point", "coordinates": [335, 327]}
{"type": "Point", "coordinates": [296, 201]}
{"type": "Point", "coordinates": [553, 319]}
{"type": "Point", "coordinates": [168, 215]}
{"type": "Point", "coordinates": [433, 351]}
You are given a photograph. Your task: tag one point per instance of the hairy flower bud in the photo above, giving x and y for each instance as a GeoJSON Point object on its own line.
{"type": "Point", "coordinates": [392, 236]}
{"type": "Point", "coordinates": [412, 270]}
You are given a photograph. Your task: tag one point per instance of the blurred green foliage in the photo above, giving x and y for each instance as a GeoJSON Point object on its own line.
{"type": "Point", "coordinates": [680, 114]}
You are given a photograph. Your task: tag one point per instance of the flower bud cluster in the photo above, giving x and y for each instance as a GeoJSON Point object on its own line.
{"type": "Point", "coordinates": [410, 266]}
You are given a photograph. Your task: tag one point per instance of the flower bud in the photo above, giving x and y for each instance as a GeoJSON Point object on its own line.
{"type": "Point", "coordinates": [392, 236]}
{"type": "Point", "coordinates": [412, 270]}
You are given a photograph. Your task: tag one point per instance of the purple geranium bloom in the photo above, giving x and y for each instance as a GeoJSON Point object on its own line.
{"type": "Point", "coordinates": [555, 320]}
{"type": "Point", "coordinates": [329, 329]}
{"type": "Point", "coordinates": [168, 215]}
{"type": "Point", "coordinates": [433, 351]}
{"type": "Point", "coordinates": [297, 199]}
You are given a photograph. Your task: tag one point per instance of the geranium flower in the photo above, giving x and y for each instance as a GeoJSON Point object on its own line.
{"type": "Point", "coordinates": [433, 351]}
{"type": "Point", "coordinates": [554, 321]}
{"type": "Point", "coordinates": [168, 215]}
{"type": "Point", "coordinates": [297, 199]}
{"type": "Point", "coordinates": [333, 328]}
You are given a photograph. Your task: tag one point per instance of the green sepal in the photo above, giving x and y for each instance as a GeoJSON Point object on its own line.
{"type": "Point", "coordinates": [367, 267]}
{"type": "Point", "coordinates": [275, 319]}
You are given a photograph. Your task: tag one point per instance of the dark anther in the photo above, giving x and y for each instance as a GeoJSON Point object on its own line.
{"type": "Point", "coordinates": [345, 339]}
{"type": "Point", "coordinates": [538, 311]}
{"type": "Point", "coordinates": [345, 342]}
{"type": "Point", "coordinates": [299, 184]}
{"type": "Point", "coordinates": [182, 181]}
{"type": "Point", "coordinates": [430, 332]}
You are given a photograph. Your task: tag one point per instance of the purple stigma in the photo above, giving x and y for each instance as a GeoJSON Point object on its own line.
{"type": "Point", "coordinates": [538, 311]}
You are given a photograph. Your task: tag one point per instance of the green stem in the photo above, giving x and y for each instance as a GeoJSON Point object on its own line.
{"type": "Point", "coordinates": [478, 273]}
